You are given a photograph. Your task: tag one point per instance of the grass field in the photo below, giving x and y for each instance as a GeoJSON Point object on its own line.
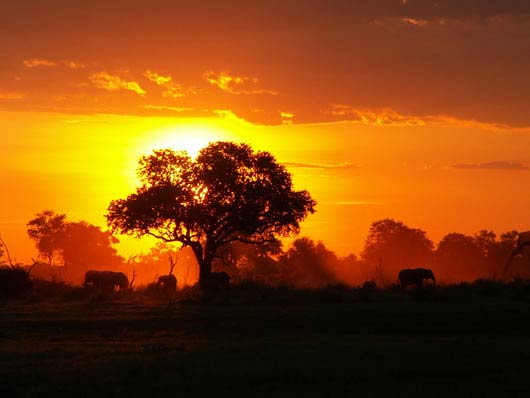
{"type": "Point", "coordinates": [289, 344]}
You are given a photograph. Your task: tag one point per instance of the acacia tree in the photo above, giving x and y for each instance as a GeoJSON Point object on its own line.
{"type": "Point", "coordinates": [228, 194]}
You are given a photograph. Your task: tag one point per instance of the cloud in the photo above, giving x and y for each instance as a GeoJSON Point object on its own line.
{"type": "Point", "coordinates": [370, 56]}
{"type": "Point", "coordinates": [11, 95]}
{"type": "Point", "coordinates": [343, 166]}
{"type": "Point", "coordinates": [41, 62]}
{"type": "Point", "coordinates": [499, 165]}
{"type": "Point", "coordinates": [382, 117]}
{"type": "Point", "coordinates": [228, 114]}
{"type": "Point", "coordinates": [415, 22]}
{"type": "Point", "coordinates": [171, 89]}
{"type": "Point", "coordinates": [109, 82]}
{"type": "Point", "coordinates": [166, 108]}
{"type": "Point", "coordinates": [37, 62]}
{"type": "Point", "coordinates": [287, 118]}
{"type": "Point", "coordinates": [175, 111]}
{"type": "Point", "coordinates": [235, 84]}
{"type": "Point", "coordinates": [158, 79]}
{"type": "Point", "coordinates": [74, 65]}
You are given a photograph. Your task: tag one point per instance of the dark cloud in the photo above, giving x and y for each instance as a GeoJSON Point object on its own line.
{"type": "Point", "coordinates": [102, 15]}
{"type": "Point", "coordinates": [273, 58]}
{"type": "Point", "coordinates": [492, 166]}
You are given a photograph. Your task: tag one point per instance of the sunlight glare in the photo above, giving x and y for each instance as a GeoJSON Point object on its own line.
{"type": "Point", "coordinates": [187, 138]}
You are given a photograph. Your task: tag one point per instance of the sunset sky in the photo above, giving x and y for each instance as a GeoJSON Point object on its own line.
{"type": "Point", "coordinates": [407, 109]}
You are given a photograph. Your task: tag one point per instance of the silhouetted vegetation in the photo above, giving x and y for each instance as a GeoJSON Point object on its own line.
{"type": "Point", "coordinates": [14, 282]}
{"type": "Point", "coordinates": [47, 229]}
{"type": "Point", "coordinates": [225, 212]}
{"type": "Point", "coordinates": [229, 193]}
{"type": "Point", "coordinates": [305, 264]}
{"type": "Point", "coordinates": [71, 248]}
{"type": "Point", "coordinates": [396, 246]}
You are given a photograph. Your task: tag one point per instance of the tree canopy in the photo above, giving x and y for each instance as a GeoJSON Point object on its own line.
{"type": "Point", "coordinates": [462, 255]}
{"type": "Point", "coordinates": [397, 246]}
{"type": "Point", "coordinates": [309, 264]}
{"type": "Point", "coordinates": [47, 230]}
{"type": "Point", "coordinates": [228, 194]}
{"type": "Point", "coordinates": [78, 246]}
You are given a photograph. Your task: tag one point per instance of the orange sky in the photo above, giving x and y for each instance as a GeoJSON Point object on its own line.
{"type": "Point", "coordinates": [415, 110]}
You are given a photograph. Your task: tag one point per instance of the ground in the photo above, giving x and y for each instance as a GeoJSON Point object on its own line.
{"type": "Point", "coordinates": [261, 346]}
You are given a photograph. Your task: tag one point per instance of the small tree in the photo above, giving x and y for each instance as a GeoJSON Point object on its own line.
{"type": "Point", "coordinates": [47, 230]}
{"type": "Point", "coordinates": [229, 193]}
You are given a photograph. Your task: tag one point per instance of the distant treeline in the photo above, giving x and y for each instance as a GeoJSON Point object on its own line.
{"type": "Point", "coordinates": [69, 249]}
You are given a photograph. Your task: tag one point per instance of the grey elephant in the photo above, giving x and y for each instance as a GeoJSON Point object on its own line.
{"type": "Point", "coordinates": [415, 277]}
{"type": "Point", "coordinates": [107, 281]}
{"type": "Point", "coordinates": [167, 283]}
{"type": "Point", "coordinates": [218, 281]}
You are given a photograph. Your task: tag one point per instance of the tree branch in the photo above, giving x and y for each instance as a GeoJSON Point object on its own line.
{"type": "Point", "coordinates": [3, 243]}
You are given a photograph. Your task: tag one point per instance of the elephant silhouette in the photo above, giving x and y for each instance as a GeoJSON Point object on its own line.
{"type": "Point", "coordinates": [107, 281]}
{"type": "Point", "coordinates": [415, 277]}
{"type": "Point", "coordinates": [167, 283]}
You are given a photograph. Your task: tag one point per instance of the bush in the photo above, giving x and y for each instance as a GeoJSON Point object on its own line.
{"type": "Point", "coordinates": [14, 282]}
{"type": "Point", "coordinates": [488, 288]}
{"type": "Point", "coordinates": [59, 291]}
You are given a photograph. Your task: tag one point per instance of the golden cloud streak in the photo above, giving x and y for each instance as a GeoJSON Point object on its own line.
{"type": "Point", "coordinates": [74, 65]}
{"type": "Point", "coordinates": [41, 62]}
{"type": "Point", "coordinates": [171, 89]}
{"type": "Point", "coordinates": [416, 22]}
{"type": "Point", "coordinates": [36, 62]}
{"type": "Point", "coordinates": [235, 84]}
{"type": "Point", "coordinates": [166, 108]}
{"type": "Point", "coordinates": [384, 117]}
{"type": "Point", "coordinates": [287, 118]}
{"type": "Point", "coordinates": [158, 79]}
{"type": "Point", "coordinates": [109, 82]}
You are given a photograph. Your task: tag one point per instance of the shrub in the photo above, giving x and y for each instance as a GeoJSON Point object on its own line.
{"type": "Point", "coordinates": [14, 282]}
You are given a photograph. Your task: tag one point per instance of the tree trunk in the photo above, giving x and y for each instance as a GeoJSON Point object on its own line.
{"type": "Point", "coordinates": [205, 269]}
{"type": "Point", "coordinates": [205, 265]}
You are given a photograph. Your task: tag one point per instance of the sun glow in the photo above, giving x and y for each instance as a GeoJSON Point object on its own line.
{"type": "Point", "coordinates": [188, 138]}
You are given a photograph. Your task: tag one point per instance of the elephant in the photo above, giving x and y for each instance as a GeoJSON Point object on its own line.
{"type": "Point", "coordinates": [107, 281]}
{"type": "Point", "coordinates": [415, 277]}
{"type": "Point", "coordinates": [218, 281]}
{"type": "Point", "coordinates": [167, 283]}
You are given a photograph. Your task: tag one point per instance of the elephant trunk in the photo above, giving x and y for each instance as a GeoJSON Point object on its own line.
{"type": "Point", "coordinates": [433, 281]}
